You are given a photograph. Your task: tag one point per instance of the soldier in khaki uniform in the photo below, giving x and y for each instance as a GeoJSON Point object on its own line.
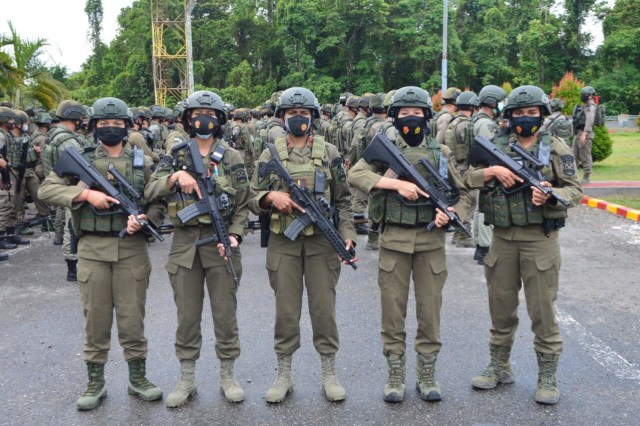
{"type": "Point", "coordinates": [113, 272]}
{"type": "Point", "coordinates": [407, 248]}
{"type": "Point", "coordinates": [310, 258]}
{"type": "Point", "coordinates": [458, 137]}
{"type": "Point", "coordinates": [557, 124]}
{"type": "Point", "coordinates": [322, 124]}
{"type": "Point", "coordinates": [64, 136]}
{"type": "Point", "coordinates": [484, 124]}
{"type": "Point", "coordinates": [7, 192]}
{"type": "Point", "coordinates": [189, 266]}
{"type": "Point", "coordinates": [525, 252]}
{"type": "Point", "coordinates": [584, 132]}
{"type": "Point", "coordinates": [442, 119]}
{"type": "Point", "coordinates": [241, 135]}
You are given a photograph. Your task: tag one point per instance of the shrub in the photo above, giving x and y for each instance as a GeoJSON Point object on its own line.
{"type": "Point", "coordinates": [436, 99]}
{"type": "Point", "coordinates": [568, 89]}
{"type": "Point", "coordinates": [602, 146]}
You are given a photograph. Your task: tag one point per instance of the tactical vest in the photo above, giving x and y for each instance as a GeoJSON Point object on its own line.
{"type": "Point", "coordinates": [305, 176]}
{"type": "Point", "coordinates": [18, 158]}
{"type": "Point", "coordinates": [504, 209]}
{"type": "Point", "coordinates": [220, 173]}
{"type": "Point", "coordinates": [360, 140]}
{"type": "Point", "coordinates": [434, 122]}
{"type": "Point", "coordinates": [560, 127]}
{"type": "Point", "coordinates": [131, 165]}
{"type": "Point", "coordinates": [460, 147]}
{"type": "Point", "coordinates": [52, 151]}
{"type": "Point", "coordinates": [390, 207]}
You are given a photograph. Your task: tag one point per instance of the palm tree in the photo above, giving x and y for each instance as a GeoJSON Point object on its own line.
{"type": "Point", "coordinates": [27, 71]}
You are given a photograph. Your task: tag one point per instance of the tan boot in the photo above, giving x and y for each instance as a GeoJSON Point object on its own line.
{"type": "Point", "coordinates": [498, 371]}
{"type": "Point", "coordinates": [186, 386]}
{"type": "Point", "coordinates": [426, 384]}
{"type": "Point", "coordinates": [96, 388]}
{"type": "Point", "coordinates": [394, 388]}
{"type": "Point", "coordinates": [283, 384]}
{"type": "Point", "coordinates": [547, 391]}
{"type": "Point", "coordinates": [332, 388]}
{"type": "Point", "coordinates": [228, 384]}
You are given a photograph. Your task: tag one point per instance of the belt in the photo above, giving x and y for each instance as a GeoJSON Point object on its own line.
{"type": "Point", "coordinates": [110, 234]}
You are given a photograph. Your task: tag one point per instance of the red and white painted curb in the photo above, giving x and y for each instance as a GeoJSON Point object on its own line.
{"type": "Point", "coordinates": [618, 210]}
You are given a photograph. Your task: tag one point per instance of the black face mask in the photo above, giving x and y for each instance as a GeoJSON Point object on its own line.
{"type": "Point", "coordinates": [110, 135]}
{"type": "Point", "coordinates": [203, 126]}
{"type": "Point", "coordinates": [298, 125]}
{"type": "Point", "coordinates": [584, 98]}
{"type": "Point", "coordinates": [411, 128]}
{"type": "Point", "coordinates": [11, 126]}
{"type": "Point", "coordinates": [525, 126]}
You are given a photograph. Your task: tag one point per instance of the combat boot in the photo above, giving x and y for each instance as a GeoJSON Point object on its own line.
{"type": "Point", "coordinates": [14, 238]}
{"type": "Point", "coordinates": [333, 390]}
{"type": "Point", "coordinates": [5, 244]}
{"type": "Point", "coordinates": [138, 383]}
{"type": "Point", "coordinates": [394, 388]}
{"type": "Point", "coordinates": [426, 383]}
{"type": "Point", "coordinates": [585, 178]}
{"type": "Point", "coordinates": [26, 232]}
{"type": "Point", "coordinates": [361, 228]}
{"type": "Point", "coordinates": [547, 391]}
{"type": "Point", "coordinates": [72, 269]}
{"type": "Point", "coordinates": [231, 389]}
{"type": "Point", "coordinates": [186, 386]}
{"type": "Point", "coordinates": [482, 253]}
{"type": "Point", "coordinates": [96, 388]}
{"type": "Point", "coordinates": [498, 371]}
{"type": "Point", "coordinates": [372, 240]}
{"type": "Point", "coordinates": [283, 384]}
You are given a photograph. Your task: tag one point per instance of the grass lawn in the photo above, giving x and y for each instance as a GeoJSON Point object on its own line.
{"type": "Point", "coordinates": [624, 163]}
{"type": "Point", "coordinates": [627, 200]}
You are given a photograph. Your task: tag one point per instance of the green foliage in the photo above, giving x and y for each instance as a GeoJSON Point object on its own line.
{"type": "Point", "coordinates": [602, 146]}
{"type": "Point", "coordinates": [568, 89]}
{"type": "Point", "coordinates": [507, 87]}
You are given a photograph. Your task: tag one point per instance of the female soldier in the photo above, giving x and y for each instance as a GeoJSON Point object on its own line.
{"type": "Point", "coordinates": [189, 266]}
{"type": "Point", "coordinates": [524, 249]}
{"type": "Point", "coordinates": [407, 247]}
{"type": "Point", "coordinates": [314, 163]}
{"type": "Point", "coordinates": [113, 273]}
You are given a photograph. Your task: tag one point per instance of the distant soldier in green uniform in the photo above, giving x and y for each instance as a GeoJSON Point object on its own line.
{"type": "Point", "coordinates": [7, 191]}
{"type": "Point", "coordinates": [557, 123]}
{"type": "Point", "coordinates": [407, 248]}
{"type": "Point", "coordinates": [64, 136]}
{"type": "Point", "coordinates": [525, 250]}
{"type": "Point", "coordinates": [458, 137]}
{"type": "Point", "coordinates": [138, 139]}
{"type": "Point", "coordinates": [191, 267]}
{"type": "Point", "coordinates": [155, 127]}
{"type": "Point", "coordinates": [344, 133]}
{"type": "Point", "coordinates": [322, 124]}
{"type": "Point", "coordinates": [308, 261]}
{"type": "Point", "coordinates": [339, 112]}
{"type": "Point", "coordinates": [447, 113]}
{"type": "Point", "coordinates": [484, 124]}
{"type": "Point", "coordinates": [583, 126]}
{"type": "Point", "coordinates": [178, 134]}
{"type": "Point", "coordinates": [113, 272]}
{"type": "Point", "coordinates": [40, 140]}
{"type": "Point", "coordinates": [241, 136]}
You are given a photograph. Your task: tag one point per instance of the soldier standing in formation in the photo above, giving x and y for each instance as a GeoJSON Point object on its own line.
{"type": "Point", "coordinates": [584, 132]}
{"type": "Point", "coordinates": [442, 119]}
{"type": "Point", "coordinates": [407, 248]}
{"type": "Point", "coordinates": [191, 267]}
{"type": "Point", "coordinates": [309, 261]}
{"type": "Point", "coordinates": [525, 250]}
{"type": "Point", "coordinates": [113, 272]}
{"type": "Point", "coordinates": [557, 124]}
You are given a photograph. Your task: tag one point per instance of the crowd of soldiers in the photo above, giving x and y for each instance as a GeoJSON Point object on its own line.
{"type": "Point", "coordinates": [515, 231]}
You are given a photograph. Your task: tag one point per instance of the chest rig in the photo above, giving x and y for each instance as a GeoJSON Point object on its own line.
{"type": "Point", "coordinates": [514, 206]}
{"type": "Point", "coordinates": [314, 173]}
{"type": "Point", "coordinates": [217, 166]}
{"type": "Point", "coordinates": [131, 165]}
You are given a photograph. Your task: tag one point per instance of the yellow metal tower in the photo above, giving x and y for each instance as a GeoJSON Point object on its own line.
{"type": "Point", "coordinates": [171, 51]}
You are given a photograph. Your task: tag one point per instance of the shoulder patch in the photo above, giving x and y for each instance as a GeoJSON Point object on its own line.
{"type": "Point", "coordinates": [166, 162]}
{"type": "Point", "coordinates": [239, 172]}
{"type": "Point", "coordinates": [568, 165]}
{"type": "Point", "coordinates": [338, 166]}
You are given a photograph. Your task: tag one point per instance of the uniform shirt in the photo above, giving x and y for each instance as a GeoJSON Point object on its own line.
{"type": "Point", "coordinates": [61, 191]}
{"type": "Point", "coordinates": [590, 117]}
{"type": "Point", "coordinates": [564, 168]}
{"type": "Point", "coordinates": [340, 195]}
{"type": "Point", "coordinates": [442, 122]}
{"type": "Point", "coordinates": [409, 239]}
{"type": "Point", "coordinates": [175, 137]}
{"type": "Point", "coordinates": [136, 139]}
{"type": "Point", "coordinates": [484, 126]}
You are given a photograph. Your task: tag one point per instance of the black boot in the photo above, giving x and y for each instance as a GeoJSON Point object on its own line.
{"type": "Point", "coordinates": [15, 238]}
{"type": "Point", "coordinates": [5, 244]}
{"type": "Point", "coordinates": [481, 255]}
{"type": "Point", "coordinates": [362, 228]}
{"type": "Point", "coordinates": [72, 271]}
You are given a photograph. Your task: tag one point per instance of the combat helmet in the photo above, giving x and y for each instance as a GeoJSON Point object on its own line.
{"type": "Point", "coordinates": [376, 103]}
{"type": "Point", "coordinates": [157, 111]}
{"type": "Point", "coordinates": [343, 98]}
{"type": "Point", "coordinates": [43, 118]}
{"type": "Point", "coordinates": [20, 116]}
{"type": "Point", "coordinates": [298, 97]}
{"type": "Point", "coordinates": [467, 99]}
{"type": "Point", "coordinates": [206, 100]}
{"type": "Point", "coordinates": [54, 117]}
{"type": "Point", "coordinates": [241, 114]}
{"type": "Point", "coordinates": [525, 96]}
{"type": "Point", "coordinates": [411, 96]}
{"type": "Point", "coordinates": [6, 114]}
{"type": "Point", "coordinates": [110, 108]}
{"type": "Point", "coordinates": [365, 100]}
{"type": "Point", "coordinates": [70, 110]}
{"type": "Point", "coordinates": [557, 104]}
{"type": "Point", "coordinates": [491, 95]}
{"type": "Point", "coordinates": [387, 98]}
{"type": "Point", "coordinates": [588, 90]}
{"type": "Point", "coordinates": [451, 95]}
{"type": "Point", "coordinates": [327, 108]}
{"type": "Point", "coordinates": [353, 102]}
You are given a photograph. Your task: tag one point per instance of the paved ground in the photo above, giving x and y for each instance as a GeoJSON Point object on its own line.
{"type": "Point", "coordinates": [42, 373]}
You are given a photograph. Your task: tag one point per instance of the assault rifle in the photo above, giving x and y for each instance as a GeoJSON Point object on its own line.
{"type": "Point", "coordinates": [495, 156]}
{"type": "Point", "coordinates": [72, 163]}
{"type": "Point", "coordinates": [210, 203]}
{"type": "Point", "coordinates": [5, 177]}
{"type": "Point", "coordinates": [315, 211]}
{"type": "Point", "coordinates": [22, 168]}
{"type": "Point", "coordinates": [383, 150]}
